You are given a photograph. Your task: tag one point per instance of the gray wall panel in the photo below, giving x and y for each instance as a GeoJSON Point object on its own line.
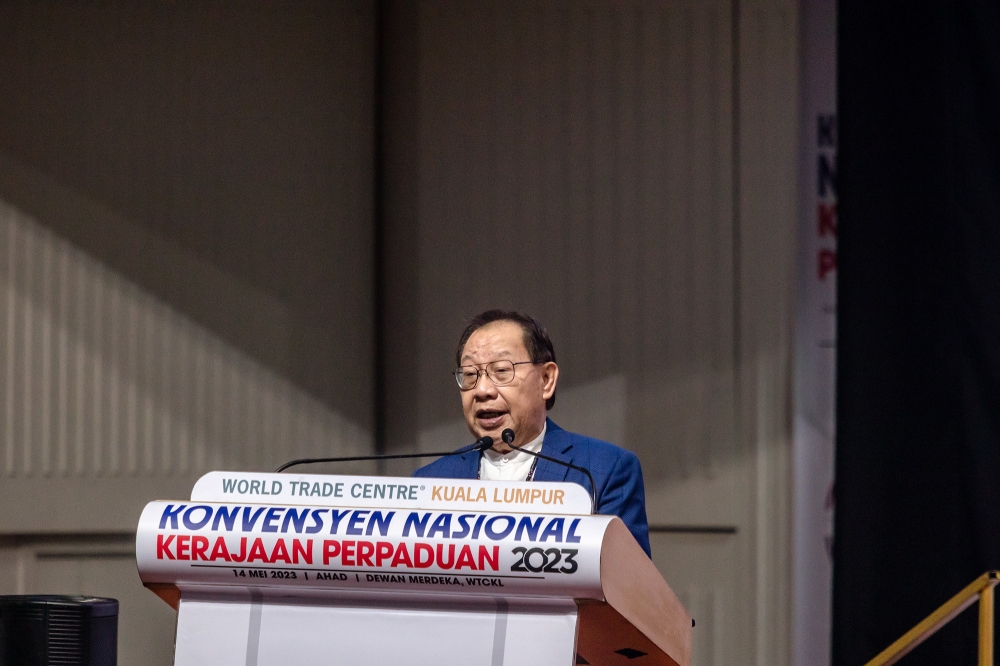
{"type": "Point", "coordinates": [234, 134]}
{"type": "Point", "coordinates": [574, 160]}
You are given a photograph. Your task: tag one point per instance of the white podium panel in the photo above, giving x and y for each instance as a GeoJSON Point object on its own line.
{"type": "Point", "coordinates": [216, 630]}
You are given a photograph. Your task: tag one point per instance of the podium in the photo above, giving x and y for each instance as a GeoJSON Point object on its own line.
{"type": "Point", "coordinates": [290, 570]}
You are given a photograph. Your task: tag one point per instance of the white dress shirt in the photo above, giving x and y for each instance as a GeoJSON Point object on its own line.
{"type": "Point", "coordinates": [510, 466]}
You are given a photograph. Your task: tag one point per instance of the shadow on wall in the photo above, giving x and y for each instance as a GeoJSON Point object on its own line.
{"type": "Point", "coordinates": [97, 377]}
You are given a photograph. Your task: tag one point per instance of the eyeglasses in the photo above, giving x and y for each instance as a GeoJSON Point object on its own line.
{"type": "Point", "coordinates": [500, 373]}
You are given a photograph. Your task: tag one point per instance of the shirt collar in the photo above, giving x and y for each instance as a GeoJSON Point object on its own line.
{"type": "Point", "coordinates": [534, 446]}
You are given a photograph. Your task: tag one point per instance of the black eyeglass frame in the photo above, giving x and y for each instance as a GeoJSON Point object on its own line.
{"type": "Point", "coordinates": [457, 373]}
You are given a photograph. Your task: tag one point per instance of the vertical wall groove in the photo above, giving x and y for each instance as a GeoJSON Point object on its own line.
{"type": "Point", "coordinates": [27, 339]}
{"type": "Point", "coordinates": [736, 212]}
{"type": "Point", "coordinates": [378, 222]}
{"type": "Point", "coordinates": [62, 403]}
{"type": "Point", "coordinates": [10, 296]}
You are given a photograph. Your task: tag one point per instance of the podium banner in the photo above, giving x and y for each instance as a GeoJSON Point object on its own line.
{"type": "Point", "coordinates": [312, 549]}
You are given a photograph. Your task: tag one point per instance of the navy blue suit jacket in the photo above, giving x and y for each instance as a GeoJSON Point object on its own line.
{"type": "Point", "coordinates": [616, 472]}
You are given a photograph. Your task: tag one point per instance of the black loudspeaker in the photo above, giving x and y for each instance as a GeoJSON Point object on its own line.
{"type": "Point", "coordinates": [53, 630]}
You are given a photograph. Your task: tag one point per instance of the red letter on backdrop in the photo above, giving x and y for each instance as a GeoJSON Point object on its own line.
{"type": "Point", "coordinates": [827, 215]}
{"type": "Point", "coordinates": [827, 262]}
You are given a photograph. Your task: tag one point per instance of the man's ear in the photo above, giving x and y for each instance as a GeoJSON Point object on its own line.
{"type": "Point", "coordinates": [550, 377]}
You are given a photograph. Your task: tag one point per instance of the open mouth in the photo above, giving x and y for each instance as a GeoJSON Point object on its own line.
{"type": "Point", "coordinates": [490, 418]}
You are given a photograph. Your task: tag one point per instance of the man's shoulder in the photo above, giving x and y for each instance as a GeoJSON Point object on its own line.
{"type": "Point", "coordinates": [597, 449]}
{"type": "Point", "coordinates": [449, 467]}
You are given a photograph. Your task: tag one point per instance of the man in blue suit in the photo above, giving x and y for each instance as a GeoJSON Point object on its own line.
{"type": "Point", "coordinates": [507, 375]}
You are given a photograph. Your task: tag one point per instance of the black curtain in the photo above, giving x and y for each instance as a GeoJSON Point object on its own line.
{"type": "Point", "coordinates": [918, 395]}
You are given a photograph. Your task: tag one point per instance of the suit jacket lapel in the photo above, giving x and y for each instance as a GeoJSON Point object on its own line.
{"type": "Point", "coordinates": [466, 466]}
{"type": "Point", "coordinates": [555, 445]}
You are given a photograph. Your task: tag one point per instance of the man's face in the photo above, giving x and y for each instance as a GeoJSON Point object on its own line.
{"type": "Point", "coordinates": [519, 405]}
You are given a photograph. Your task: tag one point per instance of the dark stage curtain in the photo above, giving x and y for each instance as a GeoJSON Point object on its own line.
{"type": "Point", "coordinates": [918, 415]}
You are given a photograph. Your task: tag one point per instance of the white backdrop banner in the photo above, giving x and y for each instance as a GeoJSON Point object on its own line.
{"type": "Point", "coordinates": [815, 338]}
